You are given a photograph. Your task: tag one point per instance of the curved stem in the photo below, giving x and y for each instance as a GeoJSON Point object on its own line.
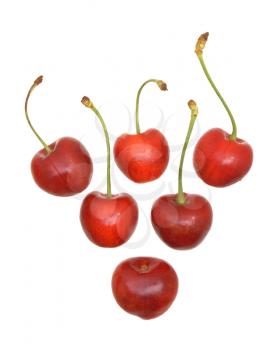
{"type": "Point", "coordinates": [87, 103]}
{"type": "Point", "coordinates": [35, 84]}
{"type": "Point", "coordinates": [199, 51]}
{"type": "Point", "coordinates": [194, 112]}
{"type": "Point", "coordinates": [162, 86]}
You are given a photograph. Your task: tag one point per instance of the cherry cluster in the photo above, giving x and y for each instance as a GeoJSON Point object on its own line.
{"type": "Point", "coordinates": [144, 286]}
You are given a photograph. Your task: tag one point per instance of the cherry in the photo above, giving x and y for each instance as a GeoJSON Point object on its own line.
{"type": "Point", "coordinates": [142, 157]}
{"type": "Point", "coordinates": [144, 286]}
{"type": "Point", "coordinates": [62, 168]}
{"type": "Point", "coordinates": [182, 220]}
{"type": "Point", "coordinates": [108, 220]}
{"type": "Point", "coordinates": [220, 159]}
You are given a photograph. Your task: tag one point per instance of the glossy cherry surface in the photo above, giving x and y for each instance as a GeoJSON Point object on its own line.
{"type": "Point", "coordinates": [182, 220]}
{"type": "Point", "coordinates": [219, 161]}
{"type": "Point", "coordinates": [66, 171]}
{"type": "Point", "coordinates": [144, 156]}
{"type": "Point", "coordinates": [63, 168]}
{"type": "Point", "coordinates": [182, 226]}
{"type": "Point", "coordinates": [108, 221]}
{"type": "Point", "coordinates": [144, 286]}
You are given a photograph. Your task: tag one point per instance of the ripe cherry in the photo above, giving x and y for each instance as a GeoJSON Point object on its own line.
{"type": "Point", "coordinates": [64, 167]}
{"type": "Point", "coordinates": [108, 220]}
{"type": "Point", "coordinates": [182, 220]}
{"type": "Point", "coordinates": [142, 157]}
{"type": "Point", "coordinates": [144, 286]}
{"type": "Point", "coordinates": [220, 159]}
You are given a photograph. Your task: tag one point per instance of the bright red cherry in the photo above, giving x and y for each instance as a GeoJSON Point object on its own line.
{"type": "Point", "coordinates": [181, 226]}
{"type": "Point", "coordinates": [182, 220]}
{"type": "Point", "coordinates": [144, 286]}
{"type": "Point", "coordinates": [63, 168]}
{"type": "Point", "coordinates": [142, 157]}
{"type": "Point", "coordinates": [108, 220]}
{"type": "Point", "coordinates": [220, 159]}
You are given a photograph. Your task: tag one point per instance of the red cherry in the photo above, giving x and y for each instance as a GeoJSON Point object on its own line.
{"type": "Point", "coordinates": [108, 220]}
{"type": "Point", "coordinates": [67, 170]}
{"type": "Point", "coordinates": [144, 286]}
{"type": "Point", "coordinates": [182, 220]}
{"type": "Point", "coordinates": [220, 159]}
{"type": "Point", "coordinates": [182, 226]}
{"type": "Point", "coordinates": [63, 168]}
{"type": "Point", "coordinates": [142, 157]}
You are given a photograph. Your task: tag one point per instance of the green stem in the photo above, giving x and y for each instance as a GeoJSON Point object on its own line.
{"type": "Point", "coordinates": [200, 45]}
{"type": "Point", "coordinates": [162, 87]}
{"type": "Point", "coordinates": [87, 102]}
{"type": "Point", "coordinates": [233, 136]}
{"type": "Point", "coordinates": [194, 112]}
{"type": "Point", "coordinates": [35, 84]}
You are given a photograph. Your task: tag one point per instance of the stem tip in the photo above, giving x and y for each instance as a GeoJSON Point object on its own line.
{"type": "Point", "coordinates": [193, 107]}
{"type": "Point", "coordinates": [162, 85]}
{"type": "Point", "coordinates": [38, 80]}
{"type": "Point", "coordinates": [201, 42]}
{"type": "Point", "coordinates": [86, 102]}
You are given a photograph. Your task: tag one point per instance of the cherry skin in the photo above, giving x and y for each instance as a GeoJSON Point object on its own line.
{"type": "Point", "coordinates": [219, 161]}
{"type": "Point", "coordinates": [181, 226]}
{"type": "Point", "coordinates": [108, 221]}
{"type": "Point", "coordinates": [144, 156]}
{"type": "Point", "coordinates": [66, 171]}
{"type": "Point", "coordinates": [144, 286]}
{"type": "Point", "coordinates": [182, 220]}
{"type": "Point", "coordinates": [63, 168]}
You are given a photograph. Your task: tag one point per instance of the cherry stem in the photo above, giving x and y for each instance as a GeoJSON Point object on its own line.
{"type": "Point", "coordinates": [162, 86]}
{"type": "Point", "coordinates": [35, 84]}
{"type": "Point", "coordinates": [199, 52]}
{"type": "Point", "coordinates": [194, 112]}
{"type": "Point", "coordinates": [87, 103]}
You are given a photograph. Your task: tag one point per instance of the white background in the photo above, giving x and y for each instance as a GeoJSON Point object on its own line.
{"type": "Point", "coordinates": [54, 284]}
